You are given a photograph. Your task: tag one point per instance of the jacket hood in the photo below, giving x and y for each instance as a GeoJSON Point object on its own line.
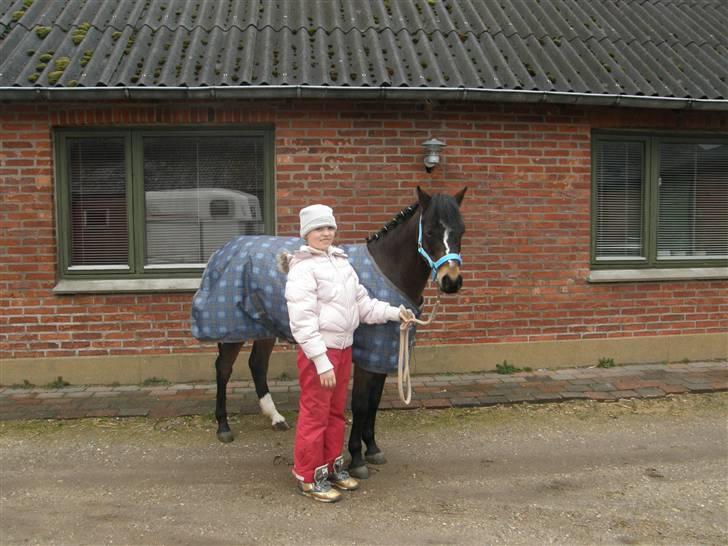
{"type": "Point", "coordinates": [286, 259]}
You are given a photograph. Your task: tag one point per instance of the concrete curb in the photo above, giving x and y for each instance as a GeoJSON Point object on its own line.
{"type": "Point", "coordinates": [429, 391]}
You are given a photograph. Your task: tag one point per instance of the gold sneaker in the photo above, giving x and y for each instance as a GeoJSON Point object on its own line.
{"type": "Point", "coordinates": [340, 478]}
{"type": "Point", "coordinates": [320, 489]}
{"type": "Point", "coordinates": [322, 492]}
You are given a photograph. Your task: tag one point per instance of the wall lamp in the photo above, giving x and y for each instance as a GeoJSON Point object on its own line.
{"type": "Point", "coordinates": [433, 147]}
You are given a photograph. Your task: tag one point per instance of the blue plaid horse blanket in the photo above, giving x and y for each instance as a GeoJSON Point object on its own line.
{"type": "Point", "coordinates": [242, 297]}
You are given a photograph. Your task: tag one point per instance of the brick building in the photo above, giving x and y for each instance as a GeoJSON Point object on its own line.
{"type": "Point", "coordinates": [135, 137]}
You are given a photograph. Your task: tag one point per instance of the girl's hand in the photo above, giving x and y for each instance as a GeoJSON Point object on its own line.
{"type": "Point", "coordinates": [328, 379]}
{"type": "Point", "coordinates": [405, 315]}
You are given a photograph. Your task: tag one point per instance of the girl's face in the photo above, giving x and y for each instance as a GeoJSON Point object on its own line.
{"type": "Point", "coordinates": [321, 238]}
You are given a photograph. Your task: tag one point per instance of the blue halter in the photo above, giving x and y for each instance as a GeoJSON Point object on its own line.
{"type": "Point", "coordinates": [434, 265]}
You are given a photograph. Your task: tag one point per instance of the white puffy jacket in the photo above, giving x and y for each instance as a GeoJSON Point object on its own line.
{"type": "Point", "coordinates": [326, 302]}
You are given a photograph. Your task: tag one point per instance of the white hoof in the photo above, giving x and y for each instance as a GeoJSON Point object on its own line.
{"type": "Point", "coordinates": [281, 426]}
{"type": "Point", "coordinates": [268, 408]}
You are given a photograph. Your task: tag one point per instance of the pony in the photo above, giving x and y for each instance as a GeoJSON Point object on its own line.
{"type": "Point", "coordinates": [421, 242]}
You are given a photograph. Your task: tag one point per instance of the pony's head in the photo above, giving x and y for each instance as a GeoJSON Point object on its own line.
{"type": "Point", "coordinates": [441, 229]}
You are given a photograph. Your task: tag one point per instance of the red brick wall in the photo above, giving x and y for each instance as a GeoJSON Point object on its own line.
{"type": "Point", "coordinates": [526, 249]}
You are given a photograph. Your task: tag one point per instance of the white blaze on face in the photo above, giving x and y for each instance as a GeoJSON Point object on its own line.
{"type": "Point", "coordinates": [445, 237]}
{"type": "Point", "coordinates": [452, 268]}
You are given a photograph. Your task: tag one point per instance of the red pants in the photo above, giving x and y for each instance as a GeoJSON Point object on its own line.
{"type": "Point", "coordinates": [320, 427]}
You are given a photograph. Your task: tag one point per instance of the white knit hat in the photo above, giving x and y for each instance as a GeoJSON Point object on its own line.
{"type": "Point", "coordinates": [316, 216]}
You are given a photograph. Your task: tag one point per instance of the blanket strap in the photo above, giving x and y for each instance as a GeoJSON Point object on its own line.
{"type": "Point", "coordinates": [403, 363]}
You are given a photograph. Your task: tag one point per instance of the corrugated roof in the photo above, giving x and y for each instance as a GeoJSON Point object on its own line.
{"type": "Point", "coordinates": [565, 50]}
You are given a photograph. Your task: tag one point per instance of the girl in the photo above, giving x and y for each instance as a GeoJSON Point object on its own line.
{"type": "Point", "coordinates": [326, 302]}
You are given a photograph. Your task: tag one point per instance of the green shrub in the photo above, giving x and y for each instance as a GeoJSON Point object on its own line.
{"type": "Point", "coordinates": [506, 368]}
{"type": "Point", "coordinates": [606, 363]}
{"type": "Point", "coordinates": [59, 383]}
{"type": "Point", "coordinates": [151, 381]}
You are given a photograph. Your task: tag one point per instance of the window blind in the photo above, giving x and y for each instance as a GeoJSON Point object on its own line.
{"type": "Point", "coordinates": [619, 211]}
{"type": "Point", "coordinates": [693, 200]}
{"type": "Point", "coordinates": [200, 192]}
{"type": "Point", "coordinates": [98, 206]}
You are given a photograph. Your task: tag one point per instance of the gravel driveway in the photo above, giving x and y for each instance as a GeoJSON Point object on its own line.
{"type": "Point", "coordinates": [632, 472]}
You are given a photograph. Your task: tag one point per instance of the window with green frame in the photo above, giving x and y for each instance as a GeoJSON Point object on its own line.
{"type": "Point", "coordinates": [659, 201]}
{"type": "Point", "coordinates": [155, 203]}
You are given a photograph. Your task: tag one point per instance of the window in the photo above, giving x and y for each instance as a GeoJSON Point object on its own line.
{"type": "Point", "coordinates": [142, 203]}
{"type": "Point", "coordinates": [659, 201]}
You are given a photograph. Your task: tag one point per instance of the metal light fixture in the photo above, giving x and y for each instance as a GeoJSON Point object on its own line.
{"type": "Point", "coordinates": [433, 148]}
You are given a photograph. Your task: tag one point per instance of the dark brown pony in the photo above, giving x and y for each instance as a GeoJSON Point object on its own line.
{"type": "Point", "coordinates": [433, 224]}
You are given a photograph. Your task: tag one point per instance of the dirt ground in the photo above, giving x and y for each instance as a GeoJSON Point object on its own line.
{"type": "Point", "coordinates": [631, 472]}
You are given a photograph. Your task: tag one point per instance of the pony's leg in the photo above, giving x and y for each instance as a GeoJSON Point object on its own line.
{"type": "Point", "coordinates": [374, 455]}
{"type": "Point", "coordinates": [258, 363]}
{"type": "Point", "coordinates": [360, 400]}
{"type": "Point", "coordinates": [226, 355]}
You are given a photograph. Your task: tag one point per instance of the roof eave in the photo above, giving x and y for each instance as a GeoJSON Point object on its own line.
{"type": "Point", "coordinates": [57, 94]}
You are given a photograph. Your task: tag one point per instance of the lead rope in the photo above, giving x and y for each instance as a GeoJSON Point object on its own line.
{"type": "Point", "coordinates": [403, 363]}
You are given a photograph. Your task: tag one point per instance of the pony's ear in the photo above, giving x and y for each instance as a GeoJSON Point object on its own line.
{"type": "Point", "coordinates": [423, 197]}
{"type": "Point", "coordinates": [459, 195]}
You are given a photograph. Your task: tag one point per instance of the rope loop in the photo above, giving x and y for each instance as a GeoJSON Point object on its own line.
{"type": "Point", "coordinates": [404, 381]}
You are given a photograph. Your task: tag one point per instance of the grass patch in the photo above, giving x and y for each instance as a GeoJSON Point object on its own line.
{"type": "Point", "coordinates": [606, 363]}
{"type": "Point", "coordinates": [506, 368]}
{"type": "Point", "coordinates": [58, 383]}
{"type": "Point", "coordinates": [152, 381]}
{"type": "Point", "coordinates": [24, 385]}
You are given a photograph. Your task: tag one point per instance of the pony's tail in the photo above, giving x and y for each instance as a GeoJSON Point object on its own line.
{"type": "Point", "coordinates": [284, 261]}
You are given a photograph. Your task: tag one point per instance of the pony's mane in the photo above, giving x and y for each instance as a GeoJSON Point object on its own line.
{"type": "Point", "coordinates": [398, 218]}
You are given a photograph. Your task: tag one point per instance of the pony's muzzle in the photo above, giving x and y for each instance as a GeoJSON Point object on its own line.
{"type": "Point", "coordinates": [449, 278]}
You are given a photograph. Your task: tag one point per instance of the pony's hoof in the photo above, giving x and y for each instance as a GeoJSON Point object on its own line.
{"type": "Point", "coordinates": [281, 426]}
{"type": "Point", "coordinates": [376, 458]}
{"type": "Point", "coordinates": [359, 472]}
{"type": "Point", "coordinates": [225, 437]}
